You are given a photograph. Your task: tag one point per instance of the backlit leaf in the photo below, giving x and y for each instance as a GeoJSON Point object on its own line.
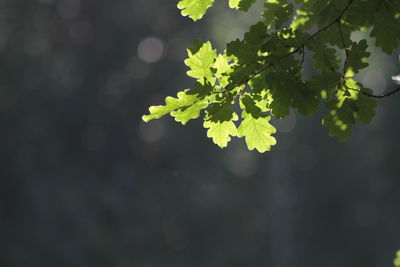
{"type": "Point", "coordinates": [257, 132]}
{"type": "Point", "coordinates": [195, 9]}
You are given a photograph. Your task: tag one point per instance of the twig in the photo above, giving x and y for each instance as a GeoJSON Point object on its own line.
{"type": "Point", "coordinates": [333, 22]}
{"type": "Point", "coordinates": [347, 57]}
{"type": "Point", "coordinates": [264, 68]}
{"type": "Point", "coordinates": [382, 96]}
{"type": "Point", "coordinates": [373, 95]}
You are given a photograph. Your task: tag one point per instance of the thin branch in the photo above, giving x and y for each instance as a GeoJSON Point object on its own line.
{"type": "Point", "coordinates": [383, 95]}
{"type": "Point", "coordinates": [298, 49]}
{"type": "Point", "coordinates": [373, 95]}
{"type": "Point", "coordinates": [345, 49]}
{"type": "Point", "coordinates": [303, 52]}
{"type": "Point", "coordinates": [346, 59]}
{"type": "Point", "coordinates": [282, 43]}
{"type": "Point", "coordinates": [343, 42]}
{"type": "Point", "coordinates": [333, 22]}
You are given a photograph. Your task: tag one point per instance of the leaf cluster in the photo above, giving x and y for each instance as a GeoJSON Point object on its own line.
{"type": "Point", "coordinates": [260, 76]}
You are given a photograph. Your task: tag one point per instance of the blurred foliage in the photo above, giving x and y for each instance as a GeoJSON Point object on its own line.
{"type": "Point", "coordinates": [397, 260]}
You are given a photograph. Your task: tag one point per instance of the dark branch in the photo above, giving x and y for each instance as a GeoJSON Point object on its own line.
{"type": "Point", "coordinates": [384, 95]}
{"type": "Point", "coordinates": [372, 95]}
{"type": "Point", "coordinates": [298, 49]}
{"type": "Point", "coordinates": [343, 42]}
{"type": "Point", "coordinates": [337, 20]}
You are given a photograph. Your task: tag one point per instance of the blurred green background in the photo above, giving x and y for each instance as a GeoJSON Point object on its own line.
{"type": "Point", "coordinates": [86, 183]}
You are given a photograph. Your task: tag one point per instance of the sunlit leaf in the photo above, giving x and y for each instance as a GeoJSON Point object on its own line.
{"type": "Point", "coordinates": [195, 9]}
{"type": "Point", "coordinates": [257, 132]}
{"type": "Point", "coordinates": [268, 70]}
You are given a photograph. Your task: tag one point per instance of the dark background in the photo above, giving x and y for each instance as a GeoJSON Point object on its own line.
{"type": "Point", "coordinates": [84, 182]}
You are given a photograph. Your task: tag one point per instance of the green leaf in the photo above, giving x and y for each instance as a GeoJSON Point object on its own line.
{"type": "Point", "coordinates": [292, 38]}
{"type": "Point", "coordinates": [386, 30]}
{"type": "Point", "coordinates": [332, 35]}
{"type": "Point", "coordinates": [325, 59]}
{"type": "Point", "coordinates": [246, 54]}
{"type": "Point", "coordinates": [364, 108]}
{"type": "Point", "coordinates": [222, 65]}
{"type": "Point", "coordinates": [257, 132]}
{"type": "Point", "coordinates": [248, 104]}
{"type": "Point", "coordinates": [185, 114]}
{"type": "Point", "coordinates": [219, 112]}
{"type": "Point", "coordinates": [279, 94]}
{"type": "Point", "coordinates": [349, 107]}
{"type": "Point", "coordinates": [201, 62]}
{"type": "Point", "coordinates": [172, 104]}
{"type": "Point", "coordinates": [258, 84]}
{"type": "Point", "coordinates": [277, 12]}
{"type": "Point", "coordinates": [339, 120]}
{"type": "Point", "coordinates": [287, 91]}
{"type": "Point", "coordinates": [330, 10]}
{"type": "Point", "coordinates": [306, 100]}
{"type": "Point", "coordinates": [195, 9]}
{"type": "Point", "coordinates": [361, 13]}
{"type": "Point", "coordinates": [223, 69]}
{"type": "Point", "coordinates": [325, 83]}
{"type": "Point", "coordinates": [246, 50]}
{"type": "Point", "coordinates": [358, 56]}
{"type": "Point", "coordinates": [397, 260]}
{"type": "Point", "coordinates": [221, 131]}
{"type": "Point", "coordinates": [243, 5]}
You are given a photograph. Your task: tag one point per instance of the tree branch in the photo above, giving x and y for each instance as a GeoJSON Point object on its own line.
{"type": "Point", "coordinates": [298, 49]}
{"type": "Point", "coordinates": [383, 95]}
{"type": "Point", "coordinates": [394, 91]}
{"type": "Point", "coordinates": [333, 22]}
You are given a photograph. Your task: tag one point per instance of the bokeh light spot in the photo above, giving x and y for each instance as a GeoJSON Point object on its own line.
{"type": "Point", "coordinates": [150, 50]}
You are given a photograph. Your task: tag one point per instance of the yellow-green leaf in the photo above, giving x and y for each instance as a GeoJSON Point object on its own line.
{"type": "Point", "coordinates": [221, 131]}
{"type": "Point", "coordinates": [195, 9]}
{"type": "Point", "coordinates": [257, 132]}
